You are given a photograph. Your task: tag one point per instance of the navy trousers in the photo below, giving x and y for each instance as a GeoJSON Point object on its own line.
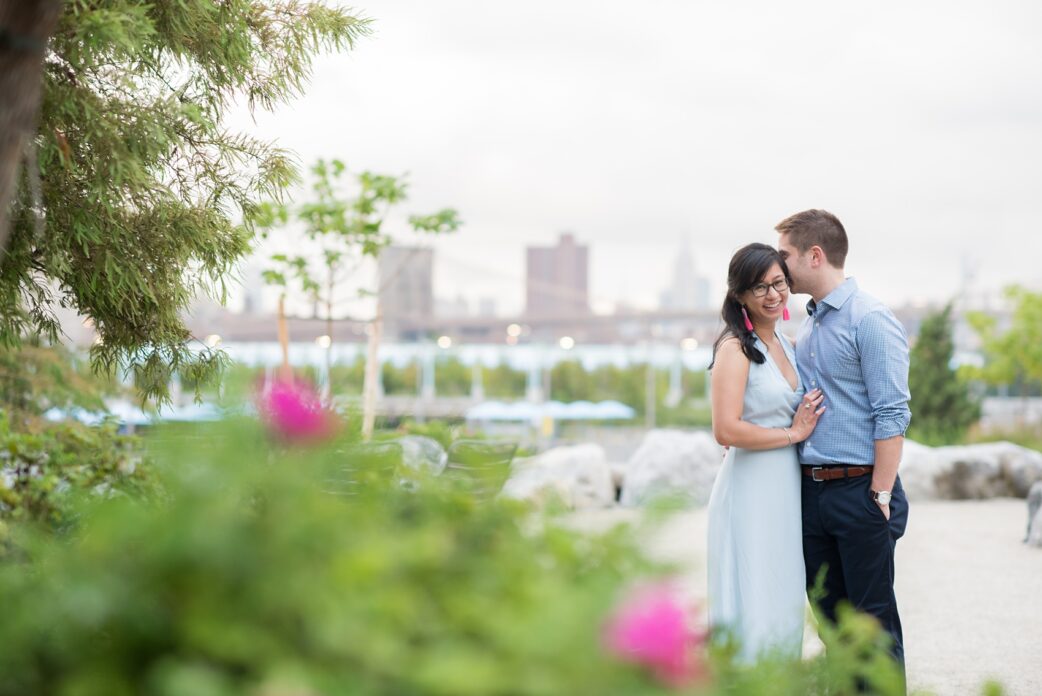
{"type": "Point", "coordinates": [846, 532]}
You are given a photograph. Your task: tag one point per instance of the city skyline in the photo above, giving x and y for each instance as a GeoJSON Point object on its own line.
{"type": "Point", "coordinates": [451, 300]}
{"type": "Point", "coordinates": [918, 125]}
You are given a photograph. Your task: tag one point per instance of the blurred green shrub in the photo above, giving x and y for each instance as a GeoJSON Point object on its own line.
{"type": "Point", "coordinates": [35, 377]}
{"type": "Point", "coordinates": [254, 577]}
{"type": "Point", "coordinates": [1027, 436]}
{"type": "Point", "coordinates": [439, 430]}
{"type": "Point", "coordinates": [943, 407]}
{"type": "Point", "coordinates": [259, 572]}
{"type": "Point", "coordinates": [42, 472]}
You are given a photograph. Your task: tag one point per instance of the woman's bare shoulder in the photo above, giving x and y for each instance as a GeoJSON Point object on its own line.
{"type": "Point", "coordinates": [730, 350]}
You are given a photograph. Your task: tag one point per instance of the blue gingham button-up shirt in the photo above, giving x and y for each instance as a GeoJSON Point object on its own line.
{"type": "Point", "coordinates": [855, 350]}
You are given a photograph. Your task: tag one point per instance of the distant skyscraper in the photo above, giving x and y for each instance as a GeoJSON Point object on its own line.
{"type": "Point", "coordinates": [406, 282]}
{"type": "Point", "coordinates": [254, 289]}
{"type": "Point", "coordinates": [445, 308]}
{"type": "Point", "coordinates": [557, 279]}
{"type": "Point", "coordinates": [688, 291]}
{"type": "Point", "coordinates": [487, 307]}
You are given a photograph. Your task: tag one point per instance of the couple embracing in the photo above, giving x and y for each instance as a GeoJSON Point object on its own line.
{"type": "Point", "coordinates": [814, 433]}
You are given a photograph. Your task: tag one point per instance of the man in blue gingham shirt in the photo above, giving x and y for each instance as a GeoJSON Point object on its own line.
{"type": "Point", "coordinates": [854, 349]}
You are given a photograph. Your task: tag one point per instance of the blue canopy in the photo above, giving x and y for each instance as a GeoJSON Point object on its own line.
{"type": "Point", "coordinates": [532, 412]}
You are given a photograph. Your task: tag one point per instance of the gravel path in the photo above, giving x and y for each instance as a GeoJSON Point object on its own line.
{"type": "Point", "coordinates": [970, 592]}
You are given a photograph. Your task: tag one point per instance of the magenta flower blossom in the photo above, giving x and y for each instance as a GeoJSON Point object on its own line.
{"type": "Point", "coordinates": [651, 628]}
{"type": "Point", "coordinates": [294, 411]}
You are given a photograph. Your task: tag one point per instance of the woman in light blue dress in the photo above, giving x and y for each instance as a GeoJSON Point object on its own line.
{"type": "Point", "coordinates": [760, 411]}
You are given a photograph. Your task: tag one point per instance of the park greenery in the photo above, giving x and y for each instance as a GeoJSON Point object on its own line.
{"type": "Point", "coordinates": [569, 381]}
{"type": "Point", "coordinates": [1013, 353]}
{"type": "Point", "coordinates": [343, 229]}
{"type": "Point", "coordinates": [46, 470]}
{"type": "Point", "coordinates": [145, 197]}
{"type": "Point", "coordinates": [1012, 358]}
{"type": "Point", "coordinates": [943, 407]}
{"type": "Point", "coordinates": [267, 567]}
{"type": "Point", "coordinates": [44, 465]}
{"type": "Point", "coordinates": [35, 378]}
{"type": "Point", "coordinates": [223, 558]}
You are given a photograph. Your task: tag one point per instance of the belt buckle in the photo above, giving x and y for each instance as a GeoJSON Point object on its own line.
{"type": "Point", "coordinates": [814, 474]}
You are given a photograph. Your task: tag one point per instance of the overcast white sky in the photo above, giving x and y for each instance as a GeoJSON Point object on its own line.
{"type": "Point", "coordinates": [636, 124]}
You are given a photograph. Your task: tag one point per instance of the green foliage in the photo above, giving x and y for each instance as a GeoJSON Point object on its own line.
{"type": "Point", "coordinates": [1027, 436]}
{"type": "Point", "coordinates": [343, 227]}
{"type": "Point", "coordinates": [1015, 354]}
{"type": "Point", "coordinates": [441, 431]}
{"type": "Point", "coordinates": [348, 379]}
{"type": "Point", "coordinates": [142, 183]}
{"type": "Point", "coordinates": [452, 377]}
{"type": "Point", "coordinates": [45, 465]}
{"type": "Point", "coordinates": [688, 414]}
{"type": "Point", "coordinates": [256, 577]}
{"type": "Point", "coordinates": [942, 407]}
{"type": "Point", "coordinates": [855, 656]}
{"type": "Point", "coordinates": [35, 378]}
{"type": "Point", "coordinates": [570, 381]}
{"type": "Point", "coordinates": [43, 472]}
{"type": "Point", "coordinates": [503, 382]}
{"type": "Point", "coordinates": [993, 688]}
{"type": "Point", "coordinates": [265, 570]}
{"type": "Point", "coordinates": [396, 380]}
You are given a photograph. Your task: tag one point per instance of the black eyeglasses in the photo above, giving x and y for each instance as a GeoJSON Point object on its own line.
{"type": "Point", "coordinates": [760, 289]}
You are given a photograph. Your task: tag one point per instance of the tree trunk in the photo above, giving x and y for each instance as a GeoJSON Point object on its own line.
{"type": "Point", "coordinates": [372, 365]}
{"type": "Point", "coordinates": [329, 333]}
{"type": "Point", "coordinates": [25, 27]}
{"type": "Point", "coordinates": [285, 371]}
{"type": "Point", "coordinates": [650, 398]}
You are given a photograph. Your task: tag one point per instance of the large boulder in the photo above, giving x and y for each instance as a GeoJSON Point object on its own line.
{"type": "Point", "coordinates": [1034, 534]}
{"type": "Point", "coordinates": [578, 476]}
{"type": "Point", "coordinates": [672, 463]}
{"type": "Point", "coordinates": [423, 454]}
{"type": "Point", "coordinates": [967, 472]}
{"type": "Point", "coordinates": [920, 466]}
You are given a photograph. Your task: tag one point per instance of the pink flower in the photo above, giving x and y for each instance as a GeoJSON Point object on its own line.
{"type": "Point", "coordinates": [294, 411]}
{"type": "Point", "coordinates": [650, 628]}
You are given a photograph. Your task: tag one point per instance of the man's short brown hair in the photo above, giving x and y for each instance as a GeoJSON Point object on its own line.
{"type": "Point", "coordinates": [817, 228]}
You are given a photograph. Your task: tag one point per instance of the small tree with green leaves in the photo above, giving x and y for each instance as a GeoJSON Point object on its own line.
{"type": "Point", "coordinates": [1012, 356]}
{"type": "Point", "coordinates": [942, 406]}
{"type": "Point", "coordinates": [144, 197]}
{"type": "Point", "coordinates": [344, 229]}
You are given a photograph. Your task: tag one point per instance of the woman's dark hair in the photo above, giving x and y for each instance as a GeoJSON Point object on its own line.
{"type": "Point", "coordinates": [748, 267]}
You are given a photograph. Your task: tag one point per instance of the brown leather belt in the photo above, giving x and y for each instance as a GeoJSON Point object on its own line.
{"type": "Point", "coordinates": [831, 473]}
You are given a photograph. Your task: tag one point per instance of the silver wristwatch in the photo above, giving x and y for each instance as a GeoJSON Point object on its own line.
{"type": "Point", "coordinates": [882, 497]}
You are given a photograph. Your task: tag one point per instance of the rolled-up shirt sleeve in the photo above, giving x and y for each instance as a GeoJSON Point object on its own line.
{"type": "Point", "coordinates": [883, 346]}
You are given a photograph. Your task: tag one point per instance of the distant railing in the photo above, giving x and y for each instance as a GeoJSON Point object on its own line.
{"type": "Point", "coordinates": [1006, 412]}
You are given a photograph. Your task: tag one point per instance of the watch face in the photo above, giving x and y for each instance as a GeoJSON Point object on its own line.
{"type": "Point", "coordinates": [883, 497]}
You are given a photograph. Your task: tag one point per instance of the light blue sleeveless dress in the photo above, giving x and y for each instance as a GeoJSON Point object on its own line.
{"type": "Point", "coordinates": [757, 592]}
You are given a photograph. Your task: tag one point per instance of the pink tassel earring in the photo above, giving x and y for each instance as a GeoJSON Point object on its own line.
{"type": "Point", "coordinates": [785, 313]}
{"type": "Point", "coordinates": [748, 324]}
